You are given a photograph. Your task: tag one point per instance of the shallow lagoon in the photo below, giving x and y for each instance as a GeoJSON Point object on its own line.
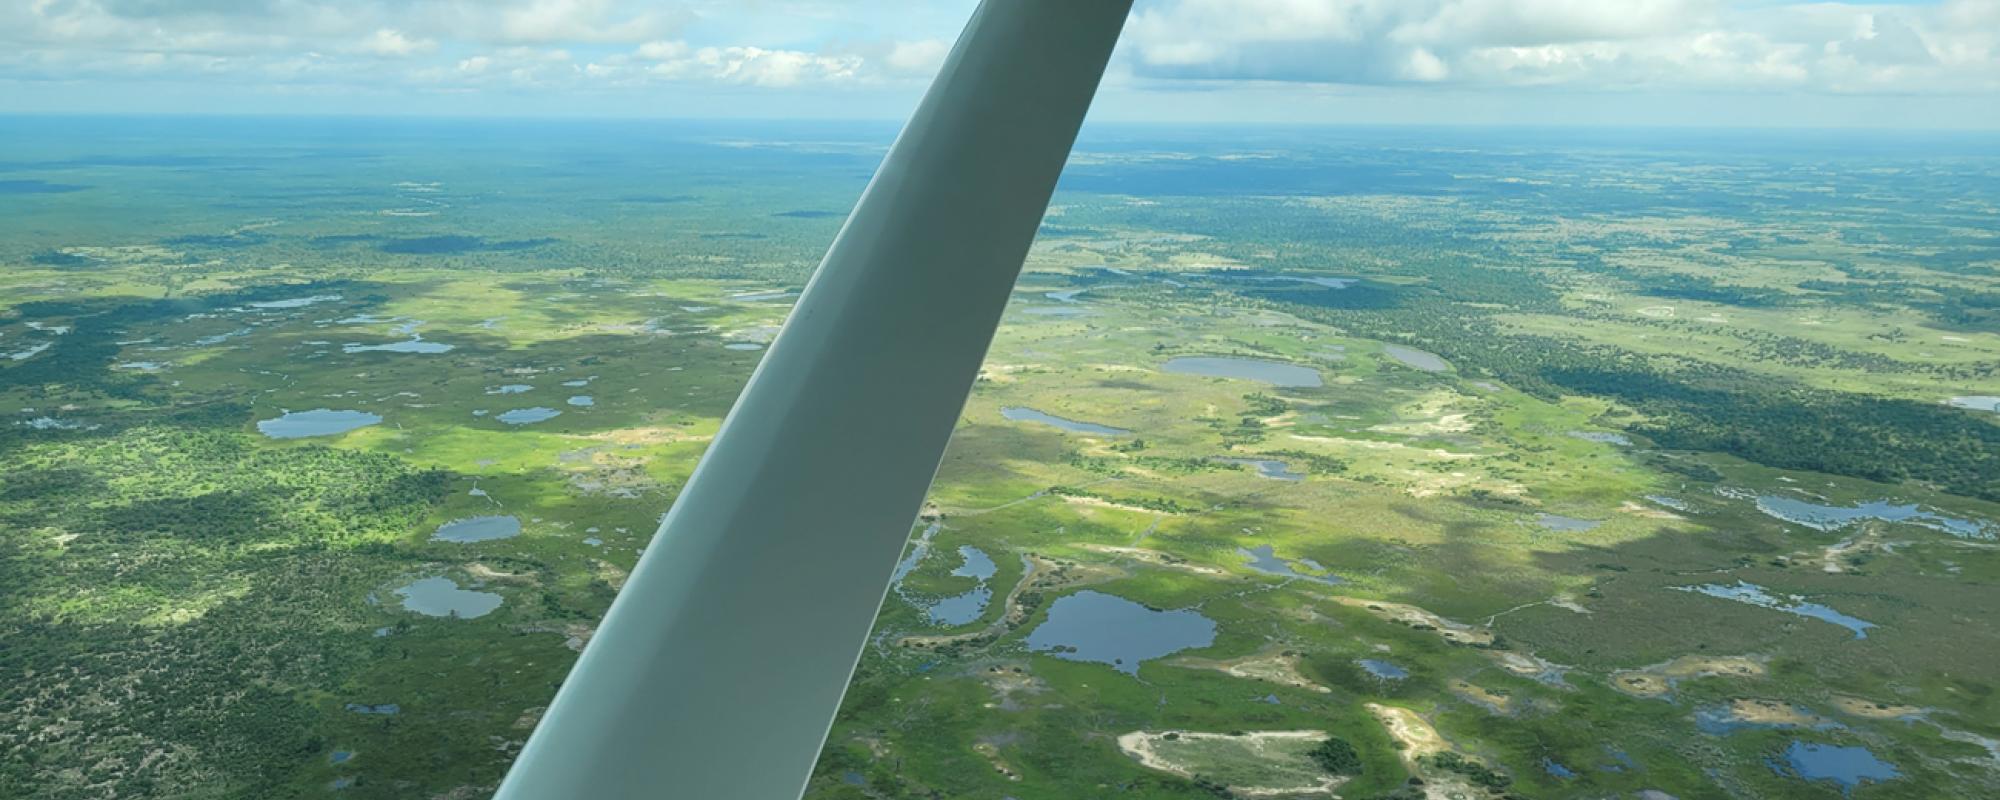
{"type": "Point", "coordinates": [1558, 522]}
{"type": "Point", "coordinates": [965, 607]}
{"type": "Point", "coordinates": [524, 416]}
{"type": "Point", "coordinates": [1249, 369]}
{"type": "Point", "coordinates": [1416, 359]}
{"type": "Point", "coordinates": [1267, 468]}
{"type": "Point", "coordinates": [1107, 629]}
{"type": "Point", "coordinates": [1746, 592]}
{"type": "Point", "coordinates": [1831, 518]}
{"type": "Point", "coordinates": [1263, 559]}
{"type": "Point", "coordinates": [478, 529]}
{"type": "Point", "coordinates": [1383, 670]}
{"type": "Point", "coordinates": [441, 597]}
{"type": "Point", "coordinates": [416, 344]}
{"type": "Point", "coordinates": [1021, 414]}
{"type": "Point", "coordinates": [317, 422]}
{"type": "Point", "coordinates": [1847, 766]}
{"type": "Point", "coordinates": [1977, 402]}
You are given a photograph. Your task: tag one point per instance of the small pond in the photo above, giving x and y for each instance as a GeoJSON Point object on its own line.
{"type": "Point", "coordinates": [415, 344]}
{"type": "Point", "coordinates": [1383, 670]}
{"type": "Point", "coordinates": [296, 302]}
{"type": "Point", "coordinates": [524, 416]}
{"type": "Point", "coordinates": [1267, 468]}
{"type": "Point", "coordinates": [1558, 522]}
{"type": "Point", "coordinates": [384, 708]}
{"type": "Point", "coordinates": [1605, 437]}
{"type": "Point", "coordinates": [512, 388]}
{"type": "Point", "coordinates": [582, 401]}
{"type": "Point", "coordinates": [1021, 414]}
{"type": "Point", "coordinates": [965, 607]}
{"type": "Point", "coordinates": [1847, 766]}
{"type": "Point", "coordinates": [1831, 518]}
{"type": "Point", "coordinates": [1416, 359]}
{"type": "Point", "coordinates": [317, 422]}
{"type": "Point", "coordinates": [1263, 559]}
{"type": "Point", "coordinates": [1057, 311]}
{"type": "Point", "coordinates": [1746, 592]}
{"type": "Point", "coordinates": [441, 597]}
{"type": "Point", "coordinates": [1250, 369]}
{"type": "Point", "coordinates": [478, 529]}
{"type": "Point", "coordinates": [1107, 629]}
{"type": "Point", "coordinates": [1977, 402]}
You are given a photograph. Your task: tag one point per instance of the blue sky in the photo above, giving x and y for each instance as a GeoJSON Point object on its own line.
{"type": "Point", "coordinates": [1552, 62]}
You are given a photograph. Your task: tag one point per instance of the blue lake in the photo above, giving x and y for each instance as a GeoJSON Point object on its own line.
{"type": "Point", "coordinates": [524, 416]}
{"type": "Point", "coordinates": [1267, 468]}
{"type": "Point", "coordinates": [442, 597]}
{"type": "Point", "coordinates": [1383, 670]}
{"type": "Point", "coordinates": [1847, 766]}
{"type": "Point", "coordinates": [413, 345]}
{"type": "Point", "coordinates": [1416, 359]}
{"type": "Point", "coordinates": [296, 302]}
{"type": "Point", "coordinates": [1020, 414]}
{"type": "Point", "coordinates": [1264, 559]}
{"type": "Point", "coordinates": [1250, 369]}
{"type": "Point", "coordinates": [1977, 402]}
{"type": "Point", "coordinates": [582, 400]}
{"type": "Point", "coordinates": [1107, 629]}
{"type": "Point", "coordinates": [1832, 518]}
{"type": "Point", "coordinates": [317, 422]}
{"type": "Point", "coordinates": [965, 607]}
{"type": "Point", "coordinates": [1558, 522]}
{"type": "Point", "coordinates": [478, 529]}
{"type": "Point", "coordinates": [1746, 592]}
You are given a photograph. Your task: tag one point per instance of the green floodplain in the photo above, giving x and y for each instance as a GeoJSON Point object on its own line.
{"type": "Point", "coordinates": [1306, 463]}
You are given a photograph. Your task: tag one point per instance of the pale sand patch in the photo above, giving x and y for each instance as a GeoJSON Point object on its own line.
{"type": "Point", "coordinates": [1146, 745]}
{"type": "Point", "coordinates": [1479, 695]}
{"type": "Point", "coordinates": [1420, 739]}
{"type": "Point", "coordinates": [1648, 512]}
{"type": "Point", "coordinates": [1279, 668]}
{"type": "Point", "coordinates": [486, 573]}
{"type": "Point", "coordinates": [1402, 613]}
{"type": "Point", "coordinates": [1155, 558]}
{"type": "Point", "coordinates": [609, 573]}
{"type": "Point", "coordinates": [1659, 679]}
{"type": "Point", "coordinates": [1102, 503]}
{"type": "Point", "coordinates": [1771, 712]}
{"type": "Point", "coordinates": [645, 436]}
{"type": "Point", "coordinates": [992, 755]}
{"type": "Point", "coordinates": [1869, 709]}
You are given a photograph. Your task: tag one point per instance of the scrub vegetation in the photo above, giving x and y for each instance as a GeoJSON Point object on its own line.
{"type": "Point", "coordinates": [1627, 466]}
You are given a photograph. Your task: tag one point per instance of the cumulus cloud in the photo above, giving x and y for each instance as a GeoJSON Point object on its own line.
{"type": "Point", "coordinates": [391, 42]}
{"type": "Point", "coordinates": [1681, 44]}
{"type": "Point", "coordinates": [1821, 48]}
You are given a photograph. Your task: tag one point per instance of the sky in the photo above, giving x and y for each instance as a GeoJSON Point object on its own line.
{"type": "Point", "coordinates": [1710, 63]}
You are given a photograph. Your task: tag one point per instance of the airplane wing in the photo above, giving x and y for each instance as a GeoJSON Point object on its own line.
{"type": "Point", "coordinates": [718, 670]}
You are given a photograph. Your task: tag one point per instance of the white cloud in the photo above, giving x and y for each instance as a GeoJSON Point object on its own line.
{"type": "Point", "coordinates": [615, 48]}
{"type": "Point", "coordinates": [391, 42]}
{"type": "Point", "coordinates": [1587, 44]}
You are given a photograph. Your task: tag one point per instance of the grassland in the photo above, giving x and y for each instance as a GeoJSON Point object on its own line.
{"type": "Point", "coordinates": [1634, 363]}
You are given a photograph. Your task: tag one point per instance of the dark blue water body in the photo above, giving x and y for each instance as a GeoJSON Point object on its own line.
{"type": "Point", "coordinates": [1107, 629]}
